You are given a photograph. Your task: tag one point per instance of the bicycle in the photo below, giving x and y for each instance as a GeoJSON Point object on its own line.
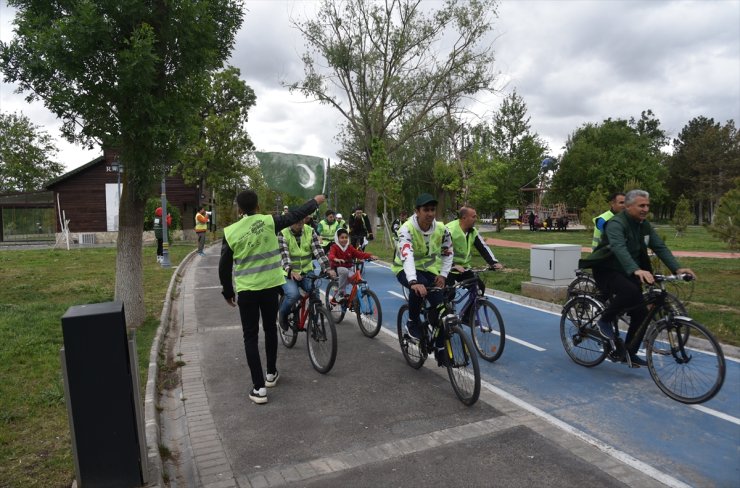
{"type": "Point", "coordinates": [462, 365]}
{"type": "Point", "coordinates": [482, 316]}
{"type": "Point", "coordinates": [309, 315]}
{"type": "Point", "coordinates": [684, 359]}
{"type": "Point", "coordinates": [361, 300]}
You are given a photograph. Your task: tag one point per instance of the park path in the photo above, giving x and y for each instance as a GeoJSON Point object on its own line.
{"type": "Point", "coordinates": [689, 254]}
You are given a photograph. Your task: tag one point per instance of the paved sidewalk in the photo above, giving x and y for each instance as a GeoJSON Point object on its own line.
{"type": "Point", "coordinates": [371, 421]}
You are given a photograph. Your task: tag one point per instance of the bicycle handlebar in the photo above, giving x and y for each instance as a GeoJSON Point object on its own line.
{"type": "Point", "coordinates": [681, 277]}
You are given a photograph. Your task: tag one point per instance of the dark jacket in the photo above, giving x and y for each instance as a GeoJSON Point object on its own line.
{"type": "Point", "coordinates": [624, 247]}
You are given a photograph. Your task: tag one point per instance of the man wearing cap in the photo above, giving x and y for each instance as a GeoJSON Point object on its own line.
{"type": "Point", "coordinates": [285, 209]}
{"type": "Point", "coordinates": [341, 221]}
{"type": "Point", "coordinates": [250, 249]}
{"type": "Point", "coordinates": [327, 229]}
{"type": "Point", "coordinates": [423, 258]}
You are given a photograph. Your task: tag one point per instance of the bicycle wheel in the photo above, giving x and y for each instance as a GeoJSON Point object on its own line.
{"type": "Point", "coordinates": [576, 325]}
{"type": "Point", "coordinates": [672, 306]}
{"type": "Point", "coordinates": [582, 285]}
{"type": "Point", "coordinates": [290, 336]}
{"type": "Point", "coordinates": [413, 353]}
{"type": "Point", "coordinates": [368, 311]}
{"type": "Point", "coordinates": [336, 310]}
{"type": "Point", "coordinates": [487, 329]}
{"type": "Point", "coordinates": [321, 340]}
{"type": "Point", "coordinates": [405, 292]}
{"type": "Point", "coordinates": [693, 372]}
{"type": "Point", "coordinates": [462, 366]}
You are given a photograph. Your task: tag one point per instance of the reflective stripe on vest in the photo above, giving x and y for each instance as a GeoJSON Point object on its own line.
{"type": "Point", "coordinates": [431, 260]}
{"type": "Point", "coordinates": [461, 243]}
{"type": "Point", "coordinates": [256, 253]}
{"type": "Point", "coordinates": [597, 233]}
{"type": "Point", "coordinates": [300, 253]}
{"type": "Point", "coordinates": [328, 231]}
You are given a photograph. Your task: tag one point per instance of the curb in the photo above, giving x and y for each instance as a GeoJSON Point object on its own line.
{"type": "Point", "coordinates": [151, 416]}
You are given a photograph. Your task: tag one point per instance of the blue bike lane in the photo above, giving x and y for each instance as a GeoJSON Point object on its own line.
{"type": "Point", "coordinates": [618, 408]}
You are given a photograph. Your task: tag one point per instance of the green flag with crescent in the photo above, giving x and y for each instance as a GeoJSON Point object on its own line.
{"type": "Point", "coordinates": [295, 174]}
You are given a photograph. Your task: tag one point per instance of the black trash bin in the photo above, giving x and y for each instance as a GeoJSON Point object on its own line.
{"type": "Point", "coordinates": [102, 397]}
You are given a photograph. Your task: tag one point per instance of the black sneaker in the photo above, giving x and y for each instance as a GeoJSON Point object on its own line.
{"type": "Point", "coordinates": [637, 361]}
{"type": "Point", "coordinates": [258, 396]}
{"type": "Point", "coordinates": [441, 356]}
{"type": "Point", "coordinates": [283, 321]}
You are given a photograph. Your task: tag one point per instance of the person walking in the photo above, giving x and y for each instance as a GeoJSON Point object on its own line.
{"type": "Point", "coordinates": [158, 232]}
{"type": "Point", "coordinates": [250, 250]}
{"type": "Point", "coordinates": [201, 226]}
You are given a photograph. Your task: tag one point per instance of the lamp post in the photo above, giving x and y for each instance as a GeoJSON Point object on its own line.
{"type": "Point", "coordinates": [117, 166]}
{"type": "Point", "coordinates": [165, 241]}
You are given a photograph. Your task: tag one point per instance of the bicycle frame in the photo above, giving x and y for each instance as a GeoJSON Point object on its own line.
{"type": "Point", "coordinates": [311, 297]}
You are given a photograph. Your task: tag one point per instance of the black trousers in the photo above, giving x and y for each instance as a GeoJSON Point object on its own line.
{"type": "Point", "coordinates": [625, 292]}
{"type": "Point", "coordinates": [252, 304]}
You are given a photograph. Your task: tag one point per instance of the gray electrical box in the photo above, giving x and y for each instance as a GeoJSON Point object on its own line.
{"type": "Point", "coordinates": [554, 264]}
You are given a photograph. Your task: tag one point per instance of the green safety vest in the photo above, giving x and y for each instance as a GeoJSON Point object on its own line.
{"type": "Point", "coordinates": [328, 231]}
{"type": "Point", "coordinates": [256, 253]}
{"type": "Point", "coordinates": [597, 233]}
{"type": "Point", "coordinates": [461, 243]}
{"type": "Point", "coordinates": [431, 260]}
{"type": "Point", "coordinates": [302, 253]}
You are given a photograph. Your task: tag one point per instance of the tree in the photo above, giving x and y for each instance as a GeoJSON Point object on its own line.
{"type": "Point", "coordinates": [726, 225]}
{"type": "Point", "coordinates": [219, 157]}
{"type": "Point", "coordinates": [597, 203]}
{"type": "Point", "coordinates": [683, 216]}
{"type": "Point", "coordinates": [705, 161]}
{"type": "Point", "coordinates": [608, 154]}
{"type": "Point", "coordinates": [26, 155]}
{"type": "Point", "coordinates": [391, 70]}
{"type": "Point", "coordinates": [136, 82]}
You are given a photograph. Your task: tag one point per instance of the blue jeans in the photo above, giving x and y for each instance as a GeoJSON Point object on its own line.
{"type": "Point", "coordinates": [290, 289]}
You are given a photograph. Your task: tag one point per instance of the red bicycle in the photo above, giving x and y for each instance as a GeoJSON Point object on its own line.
{"type": "Point", "coordinates": [361, 300]}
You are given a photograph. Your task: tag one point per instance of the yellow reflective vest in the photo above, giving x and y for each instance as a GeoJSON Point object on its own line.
{"type": "Point", "coordinates": [597, 233]}
{"type": "Point", "coordinates": [300, 254]}
{"type": "Point", "coordinates": [431, 260]}
{"type": "Point", "coordinates": [256, 253]}
{"type": "Point", "coordinates": [328, 231]}
{"type": "Point", "coordinates": [461, 244]}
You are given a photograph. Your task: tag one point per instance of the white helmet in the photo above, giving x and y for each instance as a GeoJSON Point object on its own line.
{"type": "Point", "coordinates": [339, 216]}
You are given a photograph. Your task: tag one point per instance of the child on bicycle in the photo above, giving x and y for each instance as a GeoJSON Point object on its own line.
{"type": "Point", "coordinates": [341, 255]}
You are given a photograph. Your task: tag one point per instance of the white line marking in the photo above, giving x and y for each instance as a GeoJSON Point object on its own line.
{"type": "Point", "coordinates": [207, 287]}
{"type": "Point", "coordinates": [615, 453]}
{"type": "Point", "coordinates": [717, 414]}
{"type": "Point", "coordinates": [396, 294]}
{"type": "Point", "coordinates": [557, 314]}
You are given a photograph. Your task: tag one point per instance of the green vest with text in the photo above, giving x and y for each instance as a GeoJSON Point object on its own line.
{"type": "Point", "coordinates": [300, 254]}
{"type": "Point", "coordinates": [461, 243]}
{"type": "Point", "coordinates": [597, 233]}
{"type": "Point", "coordinates": [431, 260]}
{"type": "Point", "coordinates": [256, 253]}
{"type": "Point", "coordinates": [328, 231]}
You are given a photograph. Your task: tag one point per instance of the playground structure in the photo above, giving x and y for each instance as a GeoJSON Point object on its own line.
{"type": "Point", "coordinates": [554, 211]}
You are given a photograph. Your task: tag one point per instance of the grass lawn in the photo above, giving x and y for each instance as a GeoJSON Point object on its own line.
{"type": "Point", "coordinates": [38, 288]}
{"type": "Point", "coordinates": [713, 300]}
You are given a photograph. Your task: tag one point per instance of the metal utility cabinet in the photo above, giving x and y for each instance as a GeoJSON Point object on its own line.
{"type": "Point", "coordinates": [554, 264]}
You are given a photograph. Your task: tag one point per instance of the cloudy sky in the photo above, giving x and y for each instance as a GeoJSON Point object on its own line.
{"type": "Point", "coordinates": [572, 61]}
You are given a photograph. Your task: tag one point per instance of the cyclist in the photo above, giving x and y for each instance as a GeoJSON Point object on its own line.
{"type": "Point", "coordinates": [299, 244]}
{"type": "Point", "coordinates": [423, 258]}
{"type": "Point", "coordinates": [616, 205]}
{"type": "Point", "coordinates": [359, 228]}
{"type": "Point", "coordinates": [621, 265]}
{"type": "Point", "coordinates": [341, 255]}
{"type": "Point", "coordinates": [465, 237]}
{"type": "Point", "coordinates": [327, 229]}
{"type": "Point", "coordinates": [396, 224]}
{"type": "Point", "coordinates": [250, 250]}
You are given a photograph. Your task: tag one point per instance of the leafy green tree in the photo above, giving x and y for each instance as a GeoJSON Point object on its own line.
{"type": "Point", "coordinates": [391, 69]}
{"type": "Point", "coordinates": [682, 216]}
{"type": "Point", "coordinates": [26, 155]}
{"type": "Point", "coordinates": [219, 156]}
{"type": "Point", "coordinates": [705, 161]}
{"type": "Point", "coordinates": [132, 77]}
{"type": "Point", "coordinates": [608, 154]}
{"type": "Point", "coordinates": [726, 225]}
{"type": "Point", "coordinates": [597, 203]}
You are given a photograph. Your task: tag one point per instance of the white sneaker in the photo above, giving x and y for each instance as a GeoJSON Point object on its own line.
{"type": "Point", "coordinates": [271, 379]}
{"type": "Point", "coordinates": [159, 259]}
{"type": "Point", "coordinates": [258, 396]}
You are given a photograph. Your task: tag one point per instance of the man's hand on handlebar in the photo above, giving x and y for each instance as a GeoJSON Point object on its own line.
{"type": "Point", "coordinates": [496, 266]}
{"type": "Point", "coordinates": [687, 271]}
{"type": "Point", "coordinates": [295, 275]}
{"type": "Point", "coordinates": [645, 276]}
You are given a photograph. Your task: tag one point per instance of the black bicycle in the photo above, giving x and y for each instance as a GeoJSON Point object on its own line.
{"type": "Point", "coordinates": [309, 315]}
{"type": "Point", "coordinates": [683, 357]}
{"type": "Point", "coordinates": [481, 315]}
{"type": "Point", "coordinates": [458, 356]}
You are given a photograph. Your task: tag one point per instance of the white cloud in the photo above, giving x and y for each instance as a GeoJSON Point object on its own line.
{"type": "Point", "coordinates": [573, 61]}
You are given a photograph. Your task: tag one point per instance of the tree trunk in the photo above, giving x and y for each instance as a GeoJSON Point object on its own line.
{"type": "Point", "coordinates": [371, 206]}
{"type": "Point", "coordinates": [129, 271]}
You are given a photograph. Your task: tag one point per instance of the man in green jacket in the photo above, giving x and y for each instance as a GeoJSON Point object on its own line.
{"type": "Point", "coordinates": [621, 265]}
